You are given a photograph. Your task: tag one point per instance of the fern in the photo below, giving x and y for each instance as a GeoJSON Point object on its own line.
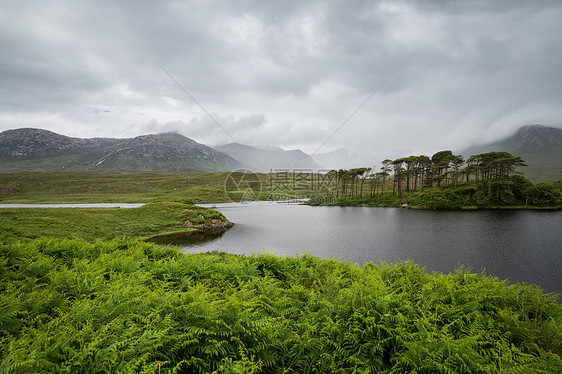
{"type": "Point", "coordinates": [124, 306]}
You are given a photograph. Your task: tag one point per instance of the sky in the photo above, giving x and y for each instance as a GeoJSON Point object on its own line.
{"type": "Point", "coordinates": [382, 79]}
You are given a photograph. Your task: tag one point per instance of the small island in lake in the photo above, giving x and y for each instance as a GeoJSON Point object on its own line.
{"type": "Point", "coordinates": [443, 181]}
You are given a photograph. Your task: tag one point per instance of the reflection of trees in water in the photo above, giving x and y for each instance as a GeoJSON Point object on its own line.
{"type": "Point", "coordinates": [191, 237]}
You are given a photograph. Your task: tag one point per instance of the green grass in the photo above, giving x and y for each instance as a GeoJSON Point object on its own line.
{"type": "Point", "coordinates": [90, 188]}
{"type": "Point", "coordinates": [154, 219]}
{"type": "Point", "coordinates": [147, 187]}
{"type": "Point", "coordinates": [124, 306]}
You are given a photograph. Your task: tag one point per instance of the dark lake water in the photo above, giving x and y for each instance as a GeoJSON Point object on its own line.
{"type": "Point", "coordinates": [519, 245]}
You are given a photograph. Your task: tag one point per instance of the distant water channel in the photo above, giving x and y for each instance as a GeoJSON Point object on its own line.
{"type": "Point", "coordinates": [86, 205]}
{"type": "Point", "coordinates": [519, 245]}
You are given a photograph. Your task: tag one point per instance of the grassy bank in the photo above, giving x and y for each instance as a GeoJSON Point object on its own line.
{"type": "Point", "coordinates": [412, 201]}
{"type": "Point", "coordinates": [389, 200]}
{"type": "Point", "coordinates": [148, 187]}
{"type": "Point", "coordinates": [150, 220]}
{"type": "Point", "coordinates": [126, 306]}
{"type": "Point", "coordinates": [124, 188]}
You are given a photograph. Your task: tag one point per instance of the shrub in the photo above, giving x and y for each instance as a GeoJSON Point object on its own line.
{"type": "Point", "coordinates": [435, 198]}
{"type": "Point", "coordinates": [544, 194]}
{"type": "Point", "coordinates": [125, 306]}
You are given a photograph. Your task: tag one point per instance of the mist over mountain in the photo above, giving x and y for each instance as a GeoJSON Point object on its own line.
{"type": "Point", "coordinates": [29, 149]}
{"type": "Point", "coordinates": [41, 150]}
{"type": "Point", "coordinates": [540, 146]}
{"type": "Point", "coordinates": [339, 159]}
{"type": "Point", "coordinates": [269, 159]}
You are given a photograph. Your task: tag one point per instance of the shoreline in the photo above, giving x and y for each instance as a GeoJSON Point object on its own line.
{"type": "Point", "coordinates": [73, 205]}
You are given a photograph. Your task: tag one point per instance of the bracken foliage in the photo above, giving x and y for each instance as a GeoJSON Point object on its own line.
{"type": "Point", "coordinates": [125, 306]}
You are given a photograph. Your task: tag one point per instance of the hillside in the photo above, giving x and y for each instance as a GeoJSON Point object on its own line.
{"type": "Point", "coordinates": [269, 159]}
{"type": "Point", "coordinates": [540, 147]}
{"type": "Point", "coordinates": [26, 144]}
{"type": "Point", "coordinates": [42, 150]}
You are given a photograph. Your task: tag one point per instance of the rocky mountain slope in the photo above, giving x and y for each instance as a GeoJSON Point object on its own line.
{"type": "Point", "coordinates": [42, 150]}
{"type": "Point", "coordinates": [540, 147]}
{"type": "Point", "coordinates": [269, 159]}
{"type": "Point", "coordinates": [23, 144]}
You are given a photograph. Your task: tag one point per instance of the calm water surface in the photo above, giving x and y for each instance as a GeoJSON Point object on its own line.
{"type": "Point", "coordinates": [522, 246]}
{"type": "Point", "coordinates": [77, 205]}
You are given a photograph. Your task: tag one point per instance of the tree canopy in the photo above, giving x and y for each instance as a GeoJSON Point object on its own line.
{"type": "Point", "coordinates": [482, 179]}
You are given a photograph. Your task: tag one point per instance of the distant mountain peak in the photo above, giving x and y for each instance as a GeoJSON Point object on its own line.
{"type": "Point", "coordinates": [272, 148]}
{"type": "Point", "coordinates": [540, 146]}
{"type": "Point", "coordinates": [534, 138]}
{"type": "Point", "coordinates": [533, 126]}
{"type": "Point", "coordinates": [269, 158]}
{"type": "Point", "coordinates": [30, 143]}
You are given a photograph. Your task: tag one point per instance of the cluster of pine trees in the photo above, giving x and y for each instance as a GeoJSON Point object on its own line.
{"type": "Point", "coordinates": [481, 179]}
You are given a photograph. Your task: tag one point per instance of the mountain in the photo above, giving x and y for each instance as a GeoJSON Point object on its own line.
{"type": "Point", "coordinates": [42, 150]}
{"type": "Point", "coordinates": [339, 159]}
{"type": "Point", "coordinates": [170, 152]}
{"type": "Point", "coordinates": [25, 144]}
{"type": "Point", "coordinates": [269, 159]}
{"type": "Point", "coordinates": [540, 147]}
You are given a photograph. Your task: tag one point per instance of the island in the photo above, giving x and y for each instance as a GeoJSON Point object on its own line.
{"type": "Point", "coordinates": [443, 181]}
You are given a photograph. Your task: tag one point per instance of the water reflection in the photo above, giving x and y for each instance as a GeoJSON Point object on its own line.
{"type": "Point", "coordinates": [522, 246]}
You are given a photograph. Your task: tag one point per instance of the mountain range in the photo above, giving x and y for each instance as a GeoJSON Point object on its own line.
{"type": "Point", "coordinates": [28, 149]}
{"type": "Point", "coordinates": [41, 150]}
{"type": "Point", "coordinates": [270, 159]}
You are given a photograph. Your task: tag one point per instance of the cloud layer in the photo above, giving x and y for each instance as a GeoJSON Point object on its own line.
{"type": "Point", "coordinates": [439, 74]}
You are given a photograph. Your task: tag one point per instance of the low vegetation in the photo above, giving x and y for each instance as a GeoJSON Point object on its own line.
{"type": "Point", "coordinates": [25, 188]}
{"type": "Point", "coordinates": [151, 220]}
{"type": "Point", "coordinates": [100, 188]}
{"type": "Point", "coordinates": [125, 306]}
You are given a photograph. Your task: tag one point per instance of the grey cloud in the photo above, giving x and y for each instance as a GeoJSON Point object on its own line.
{"type": "Point", "coordinates": [284, 73]}
{"type": "Point", "coordinates": [214, 131]}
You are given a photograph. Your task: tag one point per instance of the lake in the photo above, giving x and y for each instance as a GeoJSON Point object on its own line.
{"type": "Point", "coordinates": [77, 205]}
{"type": "Point", "coordinates": [519, 245]}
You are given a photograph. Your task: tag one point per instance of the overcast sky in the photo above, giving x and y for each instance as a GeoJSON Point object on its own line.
{"type": "Point", "coordinates": [380, 78]}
